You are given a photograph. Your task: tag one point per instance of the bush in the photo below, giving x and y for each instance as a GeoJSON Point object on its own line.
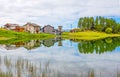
{"type": "Point", "coordinates": [108, 30]}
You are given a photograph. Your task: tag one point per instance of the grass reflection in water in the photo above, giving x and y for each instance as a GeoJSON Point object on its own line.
{"type": "Point", "coordinates": [25, 68]}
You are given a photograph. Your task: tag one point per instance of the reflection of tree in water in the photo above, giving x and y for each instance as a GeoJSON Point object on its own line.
{"type": "Point", "coordinates": [99, 46]}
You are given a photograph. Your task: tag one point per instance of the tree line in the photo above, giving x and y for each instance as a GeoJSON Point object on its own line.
{"type": "Point", "coordinates": [99, 23]}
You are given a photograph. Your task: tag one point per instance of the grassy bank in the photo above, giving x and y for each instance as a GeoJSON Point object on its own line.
{"type": "Point", "coordinates": [7, 34]}
{"type": "Point", "coordinates": [4, 38]}
{"type": "Point", "coordinates": [88, 35]}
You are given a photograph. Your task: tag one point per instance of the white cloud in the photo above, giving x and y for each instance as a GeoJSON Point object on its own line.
{"type": "Point", "coordinates": [55, 12]}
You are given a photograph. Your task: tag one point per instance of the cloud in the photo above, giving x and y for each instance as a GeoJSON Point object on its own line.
{"type": "Point", "coordinates": [55, 12]}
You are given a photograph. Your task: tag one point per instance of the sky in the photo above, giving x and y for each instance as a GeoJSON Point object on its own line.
{"type": "Point", "coordinates": [56, 12]}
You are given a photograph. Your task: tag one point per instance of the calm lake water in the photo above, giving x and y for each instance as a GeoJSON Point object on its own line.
{"type": "Point", "coordinates": [61, 58]}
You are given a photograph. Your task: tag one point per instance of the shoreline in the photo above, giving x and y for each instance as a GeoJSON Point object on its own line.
{"type": "Point", "coordinates": [87, 35]}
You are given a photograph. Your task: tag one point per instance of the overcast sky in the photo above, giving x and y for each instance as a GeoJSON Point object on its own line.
{"type": "Point", "coordinates": [55, 12]}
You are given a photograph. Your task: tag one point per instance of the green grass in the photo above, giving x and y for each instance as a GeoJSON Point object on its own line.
{"type": "Point", "coordinates": [12, 34]}
{"type": "Point", "coordinates": [7, 36]}
{"type": "Point", "coordinates": [4, 38]}
{"type": "Point", "coordinates": [88, 35]}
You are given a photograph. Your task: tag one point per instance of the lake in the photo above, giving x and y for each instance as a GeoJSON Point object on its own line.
{"type": "Point", "coordinates": [61, 58]}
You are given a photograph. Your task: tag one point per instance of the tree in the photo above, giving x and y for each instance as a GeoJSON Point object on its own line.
{"type": "Point", "coordinates": [98, 23]}
{"type": "Point", "coordinates": [80, 22]}
{"type": "Point", "coordinates": [108, 30]}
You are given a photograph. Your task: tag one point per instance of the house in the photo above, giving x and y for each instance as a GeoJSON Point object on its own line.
{"type": "Point", "coordinates": [51, 30]}
{"type": "Point", "coordinates": [19, 29]}
{"type": "Point", "coordinates": [14, 27]}
{"type": "Point", "coordinates": [32, 28]}
{"type": "Point", "coordinates": [10, 26]}
{"type": "Point", "coordinates": [48, 29]}
{"type": "Point", "coordinates": [75, 30]}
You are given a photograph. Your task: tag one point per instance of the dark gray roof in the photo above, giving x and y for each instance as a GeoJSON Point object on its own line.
{"type": "Point", "coordinates": [47, 26]}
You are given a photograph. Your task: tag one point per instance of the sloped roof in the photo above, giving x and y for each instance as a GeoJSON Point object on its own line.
{"type": "Point", "coordinates": [10, 24]}
{"type": "Point", "coordinates": [47, 26]}
{"type": "Point", "coordinates": [33, 24]}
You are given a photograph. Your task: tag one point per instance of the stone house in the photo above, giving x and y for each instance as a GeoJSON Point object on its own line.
{"type": "Point", "coordinates": [32, 28]}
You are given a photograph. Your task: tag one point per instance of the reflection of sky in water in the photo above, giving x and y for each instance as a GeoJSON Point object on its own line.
{"type": "Point", "coordinates": [67, 58]}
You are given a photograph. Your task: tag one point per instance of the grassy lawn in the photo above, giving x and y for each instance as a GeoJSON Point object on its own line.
{"type": "Point", "coordinates": [7, 34]}
{"type": "Point", "coordinates": [87, 35]}
{"type": "Point", "coordinates": [4, 38]}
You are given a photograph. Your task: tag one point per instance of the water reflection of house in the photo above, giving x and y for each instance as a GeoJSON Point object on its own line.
{"type": "Point", "coordinates": [19, 44]}
{"type": "Point", "coordinates": [11, 47]}
{"type": "Point", "coordinates": [32, 28]}
{"type": "Point", "coordinates": [14, 27]}
{"type": "Point", "coordinates": [60, 43]}
{"type": "Point", "coordinates": [51, 42]}
{"type": "Point", "coordinates": [59, 40]}
{"type": "Point", "coordinates": [32, 44]}
{"type": "Point", "coordinates": [48, 42]}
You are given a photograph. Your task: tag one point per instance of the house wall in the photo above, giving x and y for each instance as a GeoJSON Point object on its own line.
{"type": "Point", "coordinates": [19, 29]}
{"type": "Point", "coordinates": [48, 29]}
{"type": "Point", "coordinates": [32, 29]}
{"type": "Point", "coordinates": [36, 29]}
{"type": "Point", "coordinates": [29, 28]}
{"type": "Point", "coordinates": [12, 27]}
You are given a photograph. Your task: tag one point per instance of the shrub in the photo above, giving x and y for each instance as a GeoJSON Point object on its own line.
{"type": "Point", "coordinates": [108, 30]}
